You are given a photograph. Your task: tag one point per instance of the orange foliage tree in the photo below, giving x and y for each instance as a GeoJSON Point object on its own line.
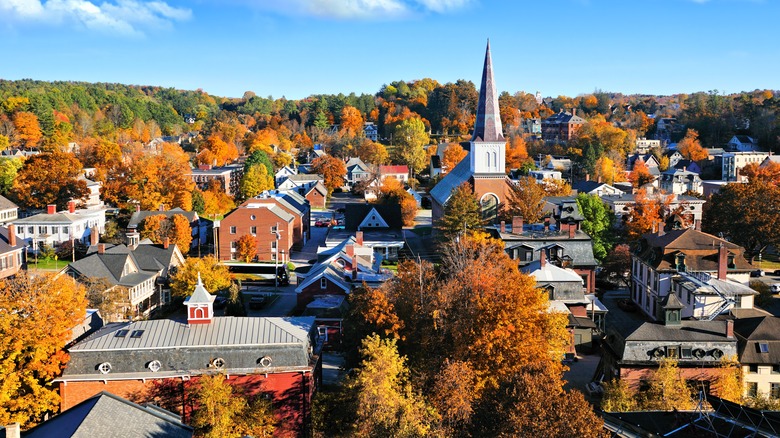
{"type": "Point", "coordinates": [246, 248]}
{"type": "Point", "coordinates": [161, 179]}
{"type": "Point", "coordinates": [217, 152]}
{"type": "Point", "coordinates": [49, 179]}
{"type": "Point", "coordinates": [646, 214]}
{"type": "Point", "coordinates": [27, 128]}
{"type": "Point", "coordinates": [453, 154]}
{"type": "Point", "coordinates": [38, 315]}
{"type": "Point", "coordinates": [371, 152]}
{"type": "Point", "coordinates": [392, 192]}
{"type": "Point", "coordinates": [516, 153]}
{"type": "Point", "coordinates": [640, 175]}
{"type": "Point", "coordinates": [176, 228]}
{"type": "Point", "coordinates": [690, 147]}
{"type": "Point", "coordinates": [332, 170]}
{"type": "Point", "coordinates": [769, 172]}
{"type": "Point", "coordinates": [351, 120]}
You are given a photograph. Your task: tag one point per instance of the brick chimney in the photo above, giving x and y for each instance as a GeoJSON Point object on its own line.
{"type": "Point", "coordinates": [587, 177]}
{"type": "Point", "coordinates": [542, 258]}
{"type": "Point", "coordinates": [137, 207]}
{"type": "Point", "coordinates": [101, 248]}
{"type": "Point", "coordinates": [11, 235]}
{"type": "Point", "coordinates": [161, 207]}
{"type": "Point", "coordinates": [574, 111]}
{"type": "Point", "coordinates": [730, 328]}
{"type": "Point", "coordinates": [572, 231]}
{"type": "Point", "coordinates": [722, 267]}
{"type": "Point", "coordinates": [599, 180]}
{"type": "Point", "coordinates": [546, 224]}
{"type": "Point", "coordinates": [697, 224]}
{"type": "Point", "coordinates": [71, 206]}
{"type": "Point", "coordinates": [359, 238]}
{"type": "Point", "coordinates": [503, 227]}
{"type": "Point", "coordinates": [166, 242]}
{"type": "Point", "coordinates": [517, 224]}
{"type": "Point", "coordinates": [94, 236]}
{"type": "Point", "coordinates": [51, 209]}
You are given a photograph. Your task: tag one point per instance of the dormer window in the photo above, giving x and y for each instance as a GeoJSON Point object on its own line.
{"type": "Point", "coordinates": [730, 262]}
{"type": "Point", "coordinates": [680, 262]}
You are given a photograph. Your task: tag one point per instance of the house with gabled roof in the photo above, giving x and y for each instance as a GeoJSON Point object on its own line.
{"type": "Point", "coordinates": [199, 229]}
{"type": "Point", "coordinates": [278, 358]}
{"type": "Point", "coordinates": [53, 227]}
{"type": "Point", "coordinates": [357, 171]}
{"type": "Point", "coordinates": [742, 143]}
{"type": "Point", "coordinates": [97, 417]}
{"type": "Point", "coordinates": [143, 270]}
{"type": "Point", "coordinates": [597, 188]}
{"type": "Point", "coordinates": [758, 340]}
{"type": "Point", "coordinates": [381, 226]}
{"type": "Point", "coordinates": [284, 173]}
{"type": "Point", "coordinates": [12, 257]}
{"type": "Point", "coordinates": [9, 211]}
{"type": "Point", "coordinates": [269, 223]}
{"type": "Point", "coordinates": [399, 172]}
{"type": "Point", "coordinates": [561, 127]}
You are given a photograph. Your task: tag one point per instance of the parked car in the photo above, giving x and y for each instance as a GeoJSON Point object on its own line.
{"type": "Point", "coordinates": [258, 302]}
{"type": "Point", "coordinates": [757, 273]}
{"type": "Point", "coordinates": [776, 272]}
{"type": "Point", "coordinates": [774, 288]}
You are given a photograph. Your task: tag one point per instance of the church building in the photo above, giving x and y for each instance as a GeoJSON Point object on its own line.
{"type": "Point", "coordinates": [484, 166]}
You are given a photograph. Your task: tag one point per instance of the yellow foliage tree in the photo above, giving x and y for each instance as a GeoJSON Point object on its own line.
{"type": "Point", "coordinates": [690, 147]}
{"type": "Point", "coordinates": [256, 180]}
{"type": "Point", "coordinates": [223, 412]}
{"type": "Point", "coordinates": [453, 154]}
{"type": "Point", "coordinates": [729, 382]}
{"type": "Point", "coordinates": [215, 276]}
{"type": "Point", "coordinates": [668, 389]}
{"type": "Point", "coordinates": [28, 130]}
{"type": "Point", "coordinates": [618, 397]}
{"type": "Point", "coordinates": [351, 121]}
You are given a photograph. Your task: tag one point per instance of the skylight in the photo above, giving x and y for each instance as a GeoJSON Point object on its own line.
{"type": "Point", "coordinates": [121, 333]}
{"type": "Point", "coordinates": [763, 347]}
{"type": "Point", "coordinates": [136, 333]}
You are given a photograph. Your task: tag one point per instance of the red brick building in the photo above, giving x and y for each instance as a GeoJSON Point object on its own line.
{"type": "Point", "coordinates": [276, 357]}
{"type": "Point", "coordinates": [561, 127]}
{"type": "Point", "coordinates": [317, 195]}
{"type": "Point", "coordinates": [277, 220]}
{"type": "Point", "coordinates": [484, 166]}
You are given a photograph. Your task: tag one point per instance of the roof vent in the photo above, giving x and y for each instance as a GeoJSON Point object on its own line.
{"type": "Point", "coordinates": [154, 366]}
{"type": "Point", "coordinates": [218, 363]}
{"type": "Point", "coordinates": [264, 361]}
{"type": "Point", "coordinates": [104, 368]}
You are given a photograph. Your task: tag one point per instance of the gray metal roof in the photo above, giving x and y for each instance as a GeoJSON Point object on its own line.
{"type": "Point", "coordinates": [6, 204]}
{"type": "Point", "coordinates": [220, 332]}
{"type": "Point", "coordinates": [107, 415]}
{"type": "Point", "coordinates": [461, 173]}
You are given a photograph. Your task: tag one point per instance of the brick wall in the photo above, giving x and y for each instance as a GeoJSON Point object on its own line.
{"type": "Point", "coordinates": [308, 293]}
{"type": "Point", "coordinates": [241, 219]}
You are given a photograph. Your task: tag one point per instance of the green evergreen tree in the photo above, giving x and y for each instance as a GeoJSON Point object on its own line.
{"type": "Point", "coordinates": [598, 223]}
{"type": "Point", "coordinates": [462, 211]}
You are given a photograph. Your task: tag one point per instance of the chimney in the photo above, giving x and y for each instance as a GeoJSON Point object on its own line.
{"type": "Point", "coordinates": [11, 235]}
{"type": "Point", "coordinates": [161, 207]}
{"type": "Point", "coordinates": [101, 248]}
{"type": "Point", "coordinates": [503, 227]}
{"type": "Point", "coordinates": [599, 180]}
{"type": "Point", "coordinates": [730, 328]}
{"type": "Point", "coordinates": [51, 209]}
{"type": "Point", "coordinates": [697, 224]}
{"type": "Point", "coordinates": [587, 177]}
{"type": "Point", "coordinates": [359, 238]}
{"type": "Point", "coordinates": [572, 231]}
{"type": "Point", "coordinates": [722, 267]}
{"type": "Point", "coordinates": [166, 242]}
{"type": "Point", "coordinates": [94, 236]}
{"type": "Point", "coordinates": [71, 206]}
{"type": "Point", "coordinates": [574, 111]}
{"type": "Point", "coordinates": [137, 207]}
{"type": "Point", "coordinates": [517, 224]}
{"type": "Point", "coordinates": [542, 258]}
{"type": "Point", "coordinates": [13, 430]}
{"type": "Point", "coordinates": [546, 224]}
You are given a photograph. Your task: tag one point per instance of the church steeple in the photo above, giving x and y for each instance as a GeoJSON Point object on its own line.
{"type": "Point", "coordinates": [488, 124]}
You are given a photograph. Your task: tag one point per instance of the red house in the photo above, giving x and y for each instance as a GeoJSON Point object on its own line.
{"type": "Point", "coordinates": [276, 357]}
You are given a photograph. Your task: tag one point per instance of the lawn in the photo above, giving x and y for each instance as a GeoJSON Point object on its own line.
{"type": "Point", "coordinates": [46, 265]}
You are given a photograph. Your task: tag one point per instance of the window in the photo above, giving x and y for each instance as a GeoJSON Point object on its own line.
{"type": "Point", "coordinates": [252, 217]}
{"type": "Point", "coordinates": [42, 229]}
{"type": "Point", "coordinates": [774, 390]}
{"type": "Point", "coordinates": [121, 333]}
{"type": "Point", "coordinates": [686, 353]}
{"type": "Point", "coordinates": [30, 230]}
{"type": "Point", "coordinates": [253, 230]}
{"type": "Point", "coordinates": [323, 283]}
{"type": "Point", "coordinates": [673, 352]}
{"type": "Point", "coordinates": [274, 228]}
{"type": "Point", "coordinates": [763, 347]}
{"type": "Point", "coordinates": [753, 368]}
{"type": "Point", "coordinates": [273, 246]}
{"type": "Point", "coordinates": [752, 389]}
{"type": "Point", "coordinates": [65, 230]}
{"type": "Point", "coordinates": [234, 245]}
{"type": "Point", "coordinates": [233, 230]}
{"type": "Point", "coordinates": [137, 333]}
{"type": "Point", "coordinates": [55, 230]}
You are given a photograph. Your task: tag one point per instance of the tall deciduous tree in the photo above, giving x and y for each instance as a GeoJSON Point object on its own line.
{"type": "Point", "coordinates": [351, 121]}
{"type": "Point", "coordinates": [668, 389]}
{"type": "Point", "coordinates": [690, 147]}
{"type": "Point", "coordinates": [28, 130]}
{"type": "Point", "coordinates": [223, 412]}
{"type": "Point", "coordinates": [748, 214]}
{"type": "Point", "coordinates": [9, 169]}
{"type": "Point", "coordinates": [372, 152]}
{"type": "Point", "coordinates": [216, 151]}
{"type": "Point", "coordinates": [646, 214]}
{"type": "Point", "coordinates": [597, 223]}
{"type": "Point", "coordinates": [461, 212]}
{"type": "Point", "coordinates": [640, 174]}
{"type": "Point", "coordinates": [332, 170]}
{"type": "Point", "coordinates": [618, 397]}
{"type": "Point", "coordinates": [108, 299]}
{"type": "Point", "coordinates": [161, 179]}
{"type": "Point", "coordinates": [256, 180]}
{"type": "Point", "coordinates": [37, 318]}
{"type": "Point", "coordinates": [49, 179]}
{"type": "Point", "coordinates": [215, 276]}
{"type": "Point", "coordinates": [516, 153]}
{"type": "Point", "coordinates": [729, 383]}
{"type": "Point", "coordinates": [392, 192]}
{"type": "Point", "coordinates": [526, 199]}
{"type": "Point", "coordinates": [453, 154]}
{"type": "Point", "coordinates": [177, 229]}
{"type": "Point", "coordinates": [410, 136]}
{"type": "Point", "coordinates": [386, 403]}
{"type": "Point", "coordinates": [246, 248]}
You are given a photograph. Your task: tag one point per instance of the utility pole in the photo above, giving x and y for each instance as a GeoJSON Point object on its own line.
{"type": "Point", "coordinates": [275, 231]}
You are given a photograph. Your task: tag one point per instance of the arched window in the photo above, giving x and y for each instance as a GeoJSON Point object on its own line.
{"type": "Point", "coordinates": [489, 203]}
{"type": "Point", "coordinates": [495, 160]}
{"type": "Point", "coordinates": [199, 312]}
{"type": "Point", "coordinates": [487, 159]}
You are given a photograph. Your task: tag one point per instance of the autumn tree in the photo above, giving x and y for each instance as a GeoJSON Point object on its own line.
{"type": "Point", "coordinates": [453, 395]}
{"type": "Point", "coordinates": [9, 169]}
{"type": "Point", "coordinates": [392, 192]}
{"type": "Point", "coordinates": [38, 315]}
{"type": "Point", "coordinates": [618, 397]}
{"type": "Point", "coordinates": [668, 389]}
{"type": "Point", "coordinates": [690, 147]}
{"type": "Point", "coordinates": [246, 248]}
{"type": "Point", "coordinates": [769, 172]}
{"type": "Point", "coordinates": [462, 211]}
{"type": "Point", "coordinates": [370, 312]}
{"type": "Point", "coordinates": [526, 199]}
{"type": "Point", "coordinates": [256, 180]}
{"type": "Point", "coordinates": [410, 137]}
{"type": "Point", "coordinates": [453, 154]}
{"type": "Point", "coordinates": [223, 412]}
{"type": "Point", "coordinates": [729, 382]}
{"type": "Point", "coordinates": [516, 153]}
{"type": "Point", "coordinates": [618, 263]}
{"type": "Point", "coordinates": [161, 179]}
{"type": "Point", "coordinates": [215, 151]}
{"type": "Point", "coordinates": [110, 300]}
{"type": "Point", "coordinates": [386, 404]}
{"type": "Point", "coordinates": [177, 229]}
{"type": "Point", "coordinates": [748, 214]}
{"type": "Point", "coordinates": [51, 178]}
{"type": "Point", "coordinates": [640, 174]}
{"type": "Point", "coordinates": [609, 170]}
{"type": "Point", "coordinates": [371, 152]}
{"type": "Point", "coordinates": [215, 276]}
{"type": "Point", "coordinates": [597, 224]}
{"type": "Point", "coordinates": [351, 121]}
{"type": "Point", "coordinates": [533, 403]}
{"type": "Point", "coordinates": [332, 170]}
{"type": "Point", "coordinates": [646, 214]}
{"type": "Point", "coordinates": [28, 130]}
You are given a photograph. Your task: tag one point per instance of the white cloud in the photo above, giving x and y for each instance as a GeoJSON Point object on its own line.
{"type": "Point", "coordinates": [359, 9]}
{"type": "Point", "coordinates": [124, 17]}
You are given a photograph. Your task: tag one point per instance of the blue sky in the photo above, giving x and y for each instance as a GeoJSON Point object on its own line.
{"type": "Point", "coordinates": [296, 48]}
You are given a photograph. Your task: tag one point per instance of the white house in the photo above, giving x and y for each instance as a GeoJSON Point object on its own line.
{"type": "Point", "coordinates": [679, 181]}
{"type": "Point", "coordinates": [742, 143]}
{"type": "Point", "coordinates": [734, 161]}
{"type": "Point", "coordinates": [54, 228]}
